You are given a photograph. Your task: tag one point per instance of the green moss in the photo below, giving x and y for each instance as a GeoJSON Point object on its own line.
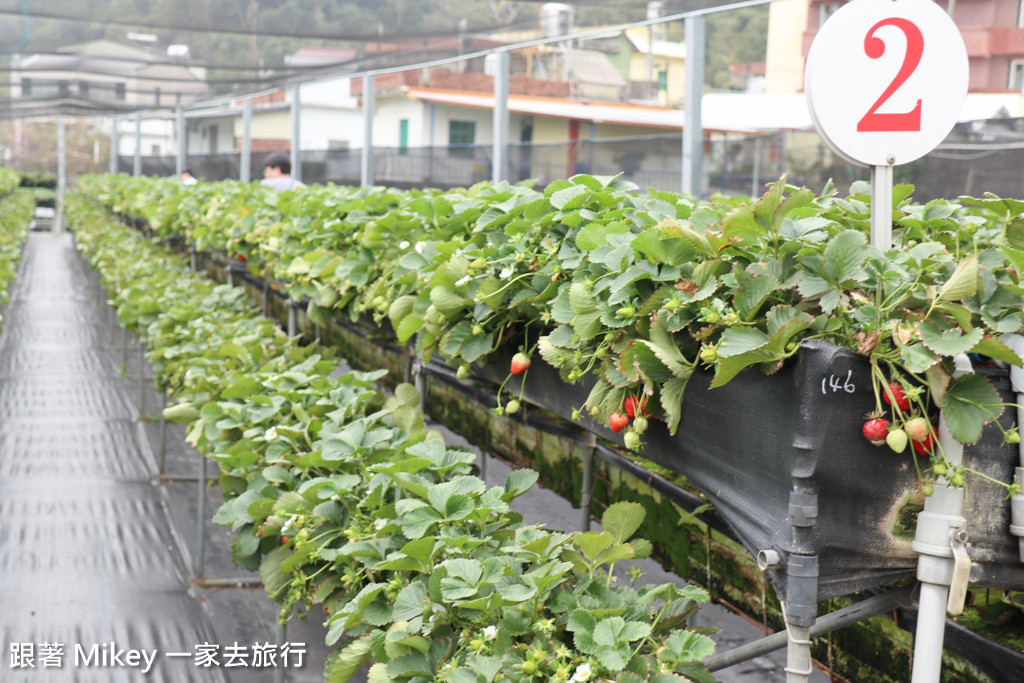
{"type": "Point", "coordinates": [906, 519]}
{"type": "Point", "coordinates": [1009, 632]}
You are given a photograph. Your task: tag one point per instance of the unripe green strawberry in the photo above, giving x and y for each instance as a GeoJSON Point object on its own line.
{"type": "Point", "coordinates": [478, 330]}
{"type": "Point", "coordinates": [626, 312]}
{"type": "Point", "coordinates": [955, 479]}
{"type": "Point", "coordinates": [897, 440]}
{"type": "Point", "coordinates": [709, 354]}
{"type": "Point", "coordinates": [918, 428]}
{"type": "Point", "coordinates": [632, 440]}
{"type": "Point", "coordinates": [1012, 436]}
{"type": "Point", "coordinates": [512, 407]}
{"type": "Point", "coordinates": [927, 490]}
{"type": "Point", "coordinates": [640, 425]}
{"type": "Point", "coordinates": [463, 371]}
{"type": "Point", "coordinates": [939, 469]}
{"type": "Point", "coordinates": [478, 263]}
{"type": "Point", "coordinates": [529, 668]}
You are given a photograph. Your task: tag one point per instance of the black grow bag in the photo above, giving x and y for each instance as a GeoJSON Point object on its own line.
{"type": "Point", "coordinates": [783, 461]}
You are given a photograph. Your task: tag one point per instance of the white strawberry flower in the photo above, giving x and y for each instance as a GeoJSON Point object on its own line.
{"type": "Point", "coordinates": [490, 632]}
{"type": "Point", "coordinates": [420, 246]}
{"type": "Point", "coordinates": [404, 244]}
{"type": "Point", "coordinates": [461, 281]}
{"type": "Point", "coordinates": [505, 273]}
{"type": "Point", "coordinates": [271, 434]}
{"type": "Point", "coordinates": [582, 673]}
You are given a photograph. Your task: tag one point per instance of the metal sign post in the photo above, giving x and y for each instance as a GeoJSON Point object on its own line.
{"type": "Point", "coordinates": [881, 206]}
{"type": "Point", "coordinates": [885, 82]}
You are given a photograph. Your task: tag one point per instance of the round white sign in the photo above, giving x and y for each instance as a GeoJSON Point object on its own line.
{"type": "Point", "coordinates": [886, 80]}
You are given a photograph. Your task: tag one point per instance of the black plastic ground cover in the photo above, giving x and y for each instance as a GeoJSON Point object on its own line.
{"type": "Point", "coordinates": [92, 583]}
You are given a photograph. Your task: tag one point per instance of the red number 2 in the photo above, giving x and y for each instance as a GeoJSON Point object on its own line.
{"type": "Point", "coordinates": [874, 47]}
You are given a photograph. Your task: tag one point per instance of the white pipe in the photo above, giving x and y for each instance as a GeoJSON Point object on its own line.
{"type": "Point", "coordinates": [931, 629]}
{"type": "Point", "coordinates": [798, 654]}
{"type": "Point", "coordinates": [943, 513]}
{"type": "Point", "coordinates": [1016, 343]}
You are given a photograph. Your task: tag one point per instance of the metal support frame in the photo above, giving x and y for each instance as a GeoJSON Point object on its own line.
{"type": "Point", "coordinates": [142, 377]}
{"type": "Point", "coordinates": [587, 485]}
{"type": "Point", "coordinates": [162, 456]}
{"type": "Point", "coordinates": [199, 567]}
{"type": "Point", "coordinates": [499, 155]}
{"type": "Point", "coordinates": [293, 322]}
{"type": "Point", "coordinates": [865, 609]}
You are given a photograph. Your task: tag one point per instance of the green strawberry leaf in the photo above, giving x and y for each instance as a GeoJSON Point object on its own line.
{"type": "Point", "coordinates": [993, 347]}
{"type": "Point", "coordinates": [345, 662]}
{"type": "Point", "coordinates": [672, 402]}
{"type": "Point", "coordinates": [622, 519]}
{"type": "Point", "coordinates": [962, 283]}
{"type": "Point", "coordinates": [969, 404]}
{"type": "Point", "coordinates": [949, 341]}
{"type": "Point", "coordinates": [752, 294]}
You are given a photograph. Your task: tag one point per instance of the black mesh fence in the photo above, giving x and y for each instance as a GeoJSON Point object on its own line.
{"type": "Point", "coordinates": [973, 160]}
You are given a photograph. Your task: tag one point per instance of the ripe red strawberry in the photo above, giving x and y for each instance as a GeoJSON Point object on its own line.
{"type": "Point", "coordinates": [902, 402]}
{"type": "Point", "coordinates": [618, 422]}
{"type": "Point", "coordinates": [520, 363]}
{"type": "Point", "coordinates": [876, 430]}
{"type": "Point", "coordinates": [924, 447]}
{"type": "Point", "coordinates": [918, 429]}
{"type": "Point", "coordinates": [632, 404]}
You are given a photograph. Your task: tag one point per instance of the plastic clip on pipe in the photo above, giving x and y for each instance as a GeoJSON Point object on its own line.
{"type": "Point", "coordinates": [943, 566]}
{"type": "Point", "coordinates": [1016, 342]}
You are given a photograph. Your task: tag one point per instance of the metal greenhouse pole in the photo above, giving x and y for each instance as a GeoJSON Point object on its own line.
{"type": "Point", "coordinates": [245, 161]}
{"type": "Point", "coordinates": [182, 134]}
{"type": "Point", "coordinates": [137, 161]}
{"type": "Point", "coordinates": [693, 133]}
{"type": "Point", "coordinates": [296, 153]}
{"type": "Point", "coordinates": [62, 173]}
{"type": "Point", "coordinates": [115, 143]}
{"type": "Point", "coordinates": [366, 167]}
{"type": "Point", "coordinates": [499, 161]}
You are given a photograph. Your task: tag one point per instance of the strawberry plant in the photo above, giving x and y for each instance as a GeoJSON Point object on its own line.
{"type": "Point", "coordinates": [16, 215]}
{"type": "Point", "coordinates": [634, 292]}
{"type": "Point", "coordinates": [342, 498]}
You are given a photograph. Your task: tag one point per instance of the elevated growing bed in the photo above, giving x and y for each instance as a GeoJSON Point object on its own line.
{"type": "Point", "coordinates": [779, 457]}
